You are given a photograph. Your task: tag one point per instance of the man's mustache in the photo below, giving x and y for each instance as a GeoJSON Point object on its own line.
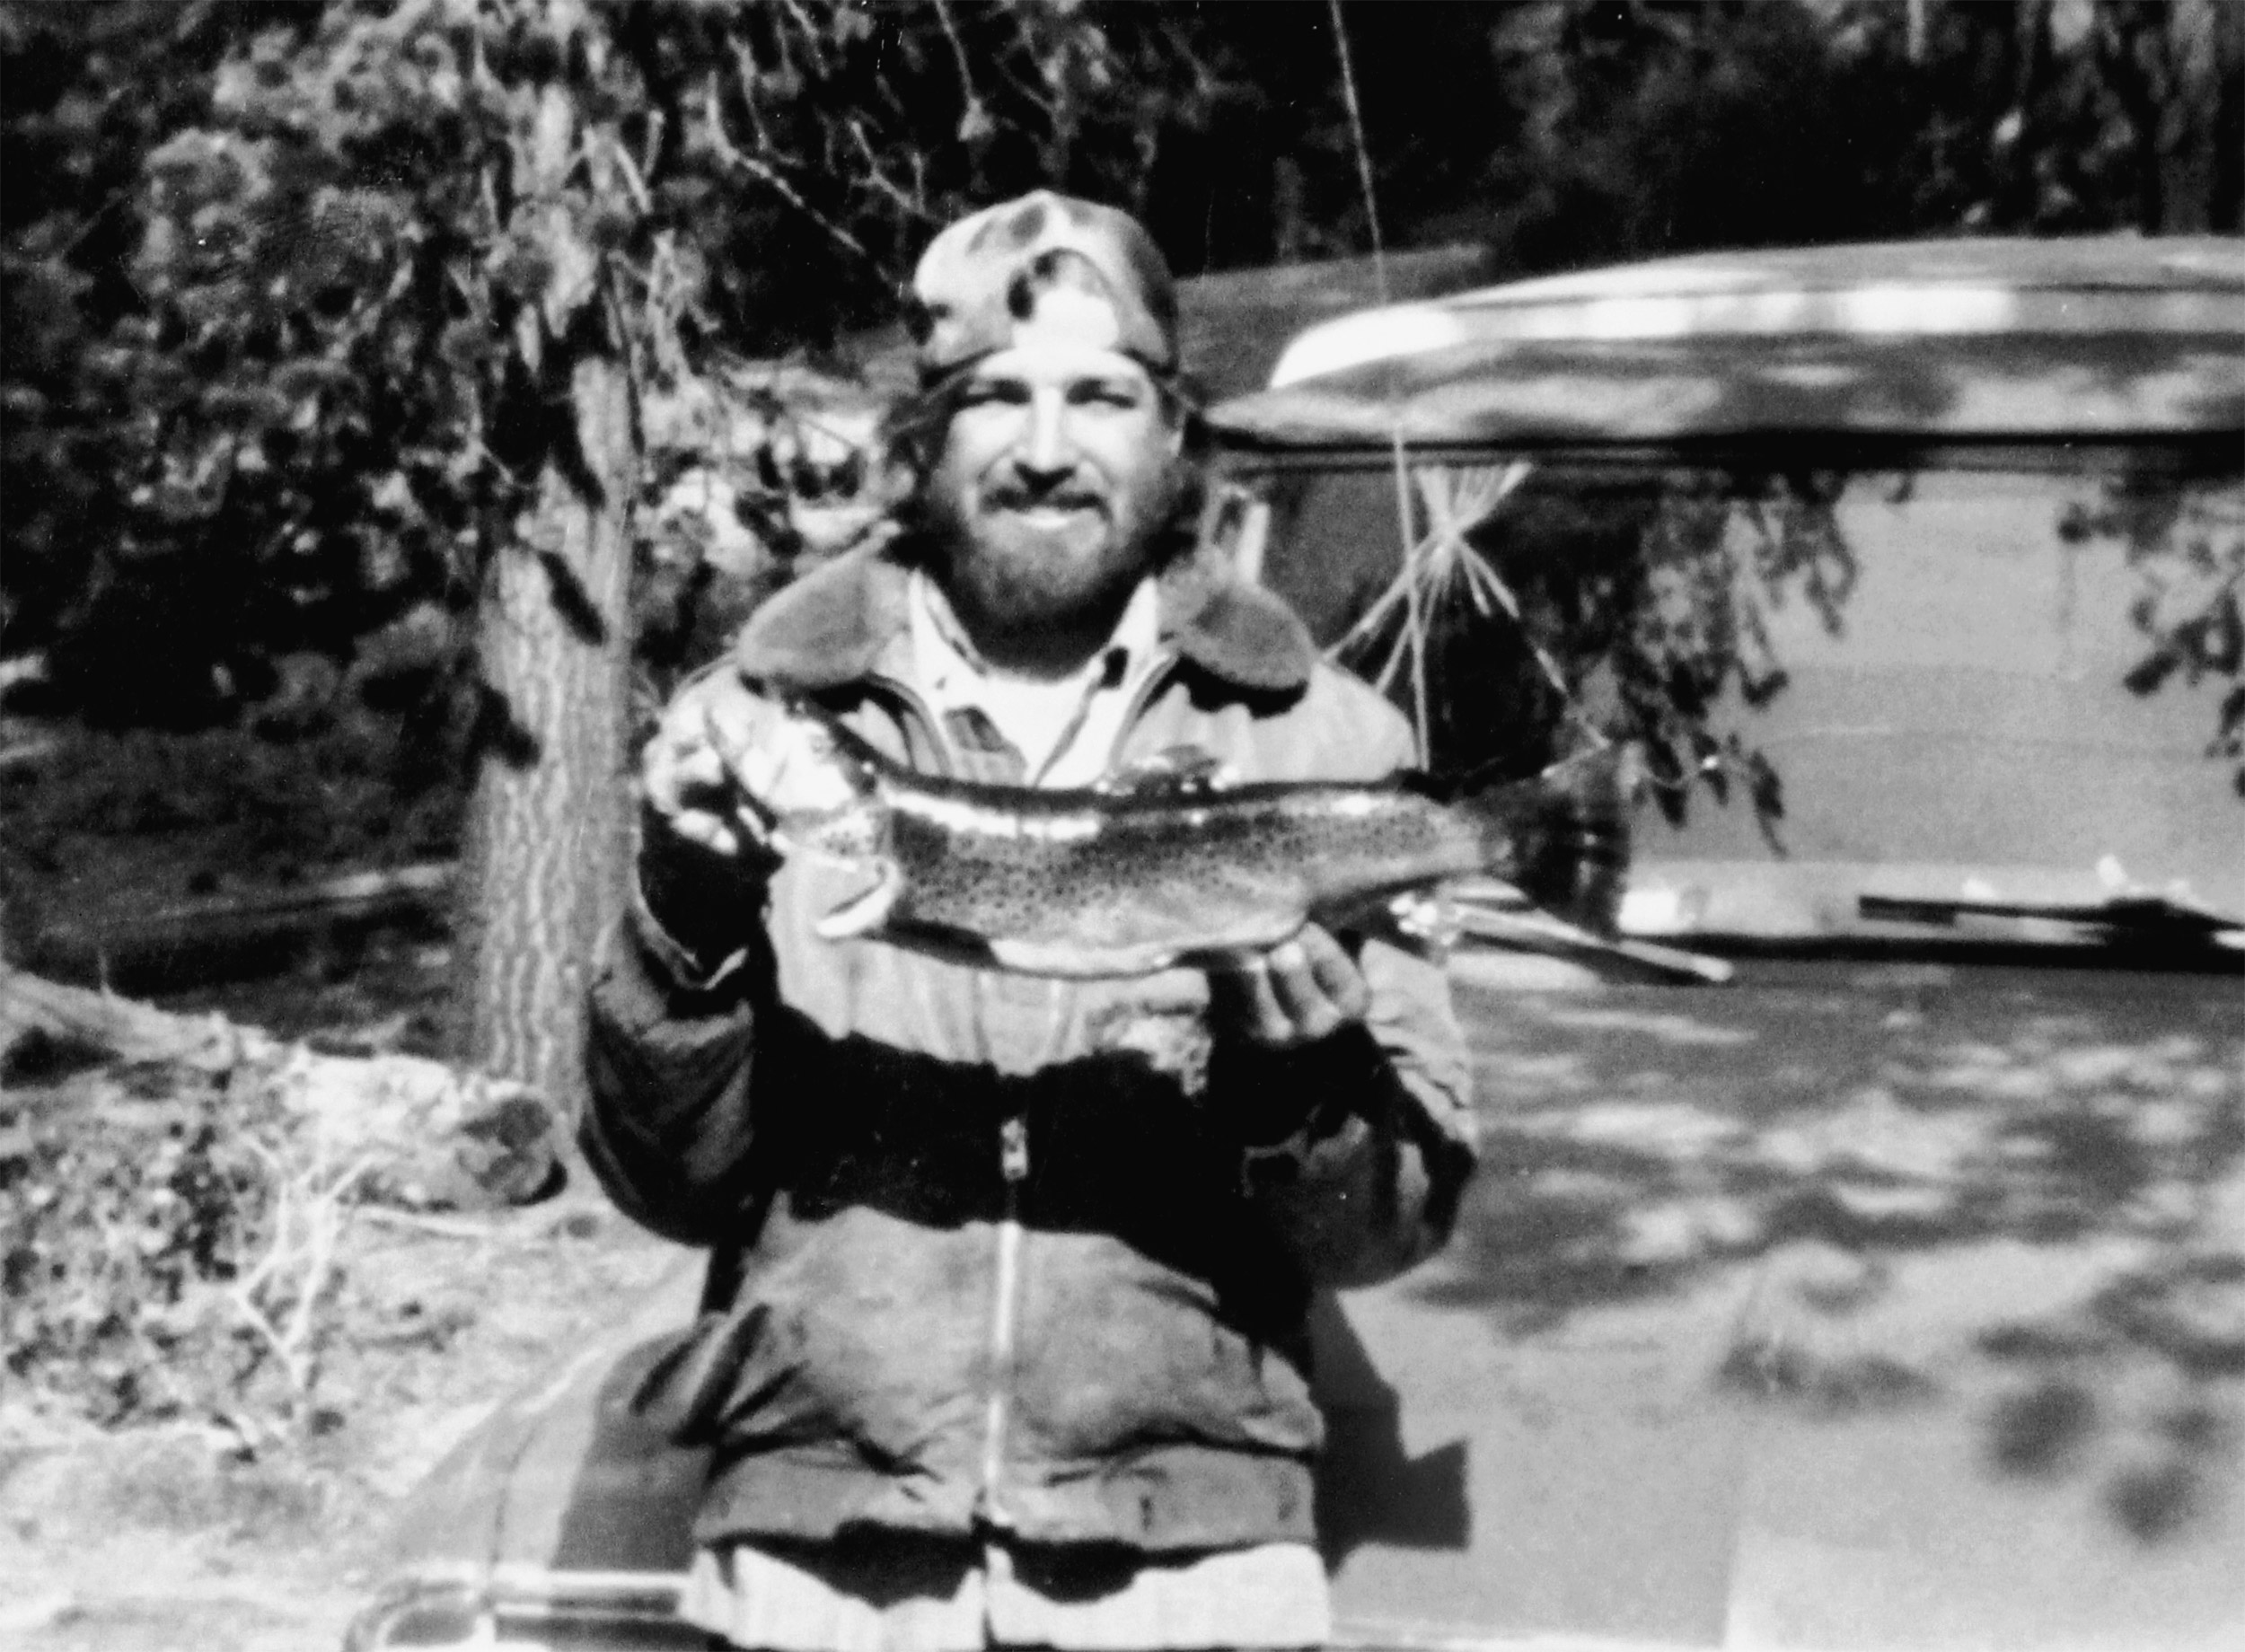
{"type": "Point", "coordinates": [1058, 495]}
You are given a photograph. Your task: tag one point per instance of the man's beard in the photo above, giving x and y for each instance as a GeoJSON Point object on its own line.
{"type": "Point", "coordinates": [1019, 579]}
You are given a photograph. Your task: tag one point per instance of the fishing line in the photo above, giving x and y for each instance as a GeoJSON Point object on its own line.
{"type": "Point", "coordinates": [1415, 619]}
{"type": "Point", "coordinates": [1423, 727]}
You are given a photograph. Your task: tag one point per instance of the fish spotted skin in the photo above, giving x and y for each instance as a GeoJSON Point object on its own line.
{"type": "Point", "coordinates": [1105, 883]}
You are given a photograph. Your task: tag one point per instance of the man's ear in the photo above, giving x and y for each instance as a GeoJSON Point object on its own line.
{"type": "Point", "coordinates": [1177, 415]}
{"type": "Point", "coordinates": [1181, 404]}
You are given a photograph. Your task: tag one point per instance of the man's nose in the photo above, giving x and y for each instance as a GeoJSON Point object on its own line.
{"type": "Point", "coordinates": [1048, 447]}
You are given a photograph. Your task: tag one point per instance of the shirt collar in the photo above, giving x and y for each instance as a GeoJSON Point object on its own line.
{"type": "Point", "coordinates": [943, 654]}
{"type": "Point", "coordinates": [832, 626]}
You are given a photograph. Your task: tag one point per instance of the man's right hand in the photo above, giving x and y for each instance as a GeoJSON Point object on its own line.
{"type": "Point", "coordinates": [704, 755]}
{"type": "Point", "coordinates": [703, 852]}
{"type": "Point", "coordinates": [726, 764]}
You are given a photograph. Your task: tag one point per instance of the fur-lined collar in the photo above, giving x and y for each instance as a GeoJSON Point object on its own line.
{"type": "Point", "coordinates": [831, 627]}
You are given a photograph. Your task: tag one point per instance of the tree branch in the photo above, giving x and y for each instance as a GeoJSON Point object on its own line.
{"type": "Point", "coordinates": [733, 155]}
{"type": "Point", "coordinates": [958, 53]}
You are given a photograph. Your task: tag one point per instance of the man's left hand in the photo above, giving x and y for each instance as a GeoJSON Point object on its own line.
{"type": "Point", "coordinates": [1298, 992]}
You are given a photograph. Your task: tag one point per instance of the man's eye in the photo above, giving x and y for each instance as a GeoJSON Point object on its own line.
{"type": "Point", "coordinates": [1105, 396]}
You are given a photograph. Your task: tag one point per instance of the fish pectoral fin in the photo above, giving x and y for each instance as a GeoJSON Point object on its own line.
{"type": "Point", "coordinates": [863, 913]}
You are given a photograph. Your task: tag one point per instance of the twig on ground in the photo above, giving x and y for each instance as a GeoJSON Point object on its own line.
{"type": "Point", "coordinates": [279, 1297]}
{"type": "Point", "coordinates": [444, 1227]}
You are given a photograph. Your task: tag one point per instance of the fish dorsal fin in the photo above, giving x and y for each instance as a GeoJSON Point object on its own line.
{"type": "Point", "coordinates": [1170, 770]}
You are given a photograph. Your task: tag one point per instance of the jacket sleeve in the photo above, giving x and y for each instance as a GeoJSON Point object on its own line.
{"type": "Point", "coordinates": [669, 1055]}
{"type": "Point", "coordinates": [1381, 1114]}
{"type": "Point", "coordinates": [1367, 1185]}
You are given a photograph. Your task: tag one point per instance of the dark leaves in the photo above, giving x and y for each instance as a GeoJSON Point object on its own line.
{"type": "Point", "coordinates": [2229, 738]}
{"type": "Point", "coordinates": [2188, 545]}
{"type": "Point", "coordinates": [2148, 675]}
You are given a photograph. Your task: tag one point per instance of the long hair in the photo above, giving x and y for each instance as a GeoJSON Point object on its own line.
{"type": "Point", "coordinates": [913, 434]}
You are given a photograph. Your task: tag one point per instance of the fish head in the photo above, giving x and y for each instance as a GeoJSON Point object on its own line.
{"type": "Point", "coordinates": [835, 813]}
{"type": "Point", "coordinates": [855, 832]}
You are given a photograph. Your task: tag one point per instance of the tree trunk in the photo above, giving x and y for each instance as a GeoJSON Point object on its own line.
{"type": "Point", "coordinates": [542, 863]}
{"type": "Point", "coordinates": [541, 872]}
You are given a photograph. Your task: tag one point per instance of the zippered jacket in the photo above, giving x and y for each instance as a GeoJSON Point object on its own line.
{"type": "Point", "coordinates": [1000, 1252]}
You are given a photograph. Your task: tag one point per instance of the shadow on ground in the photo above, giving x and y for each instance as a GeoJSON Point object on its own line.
{"type": "Point", "coordinates": [2020, 1191]}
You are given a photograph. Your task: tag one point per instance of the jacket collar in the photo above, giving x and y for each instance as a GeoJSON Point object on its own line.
{"type": "Point", "coordinates": [833, 626]}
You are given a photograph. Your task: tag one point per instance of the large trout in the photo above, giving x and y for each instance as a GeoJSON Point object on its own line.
{"type": "Point", "coordinates": [1169, 865]}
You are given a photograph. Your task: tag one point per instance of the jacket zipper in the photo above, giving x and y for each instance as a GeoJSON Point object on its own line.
{"type": "Point", "coordinates": [1013, 1166]}
{"type": "Point", "coordinates": [1013, 1138]}
{"type": "Point", "coordinates": [1013, 1163]}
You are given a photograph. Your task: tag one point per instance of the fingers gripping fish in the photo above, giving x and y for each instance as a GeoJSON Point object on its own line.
{"type": "Point", "coordinates": [1180, 869]}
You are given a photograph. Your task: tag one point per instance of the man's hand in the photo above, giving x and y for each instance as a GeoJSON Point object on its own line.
{"type": "Point", "coordinates": [724, 764]}
{"type": "Point", "coordinates": [692, 773]}
{"type": "Point", "coordinates": [1298, 992]}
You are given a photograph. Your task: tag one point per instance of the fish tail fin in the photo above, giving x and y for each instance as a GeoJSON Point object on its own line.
{"type": "Point", "coordinates": [1562, 837]}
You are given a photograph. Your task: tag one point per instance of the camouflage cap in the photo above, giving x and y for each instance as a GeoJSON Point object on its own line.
{"type": "Point", "coordinates": [1044, 266]}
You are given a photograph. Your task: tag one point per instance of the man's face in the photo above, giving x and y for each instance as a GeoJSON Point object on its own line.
{"type": "Point", "coordinates": [1056, 470]}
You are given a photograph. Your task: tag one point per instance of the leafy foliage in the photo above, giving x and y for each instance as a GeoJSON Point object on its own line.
{"type": "Point", "coordinates": [2188, 547]}
{"type": "Point", "coordinates": [303, 377]}
{"type": "Point", "coordinates": [1641, 128]}
{"type": "Point", "coordinates": [1710, 564]}
{"type": "Point", "coordinates": [1631, 127]}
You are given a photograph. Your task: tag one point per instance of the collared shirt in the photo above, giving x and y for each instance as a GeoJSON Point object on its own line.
{"type": "Point", "coordinates": [1064, 730]}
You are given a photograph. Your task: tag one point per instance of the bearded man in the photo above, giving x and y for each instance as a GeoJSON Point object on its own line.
{"type": "Point", "coordinates": [1005, 1342]}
